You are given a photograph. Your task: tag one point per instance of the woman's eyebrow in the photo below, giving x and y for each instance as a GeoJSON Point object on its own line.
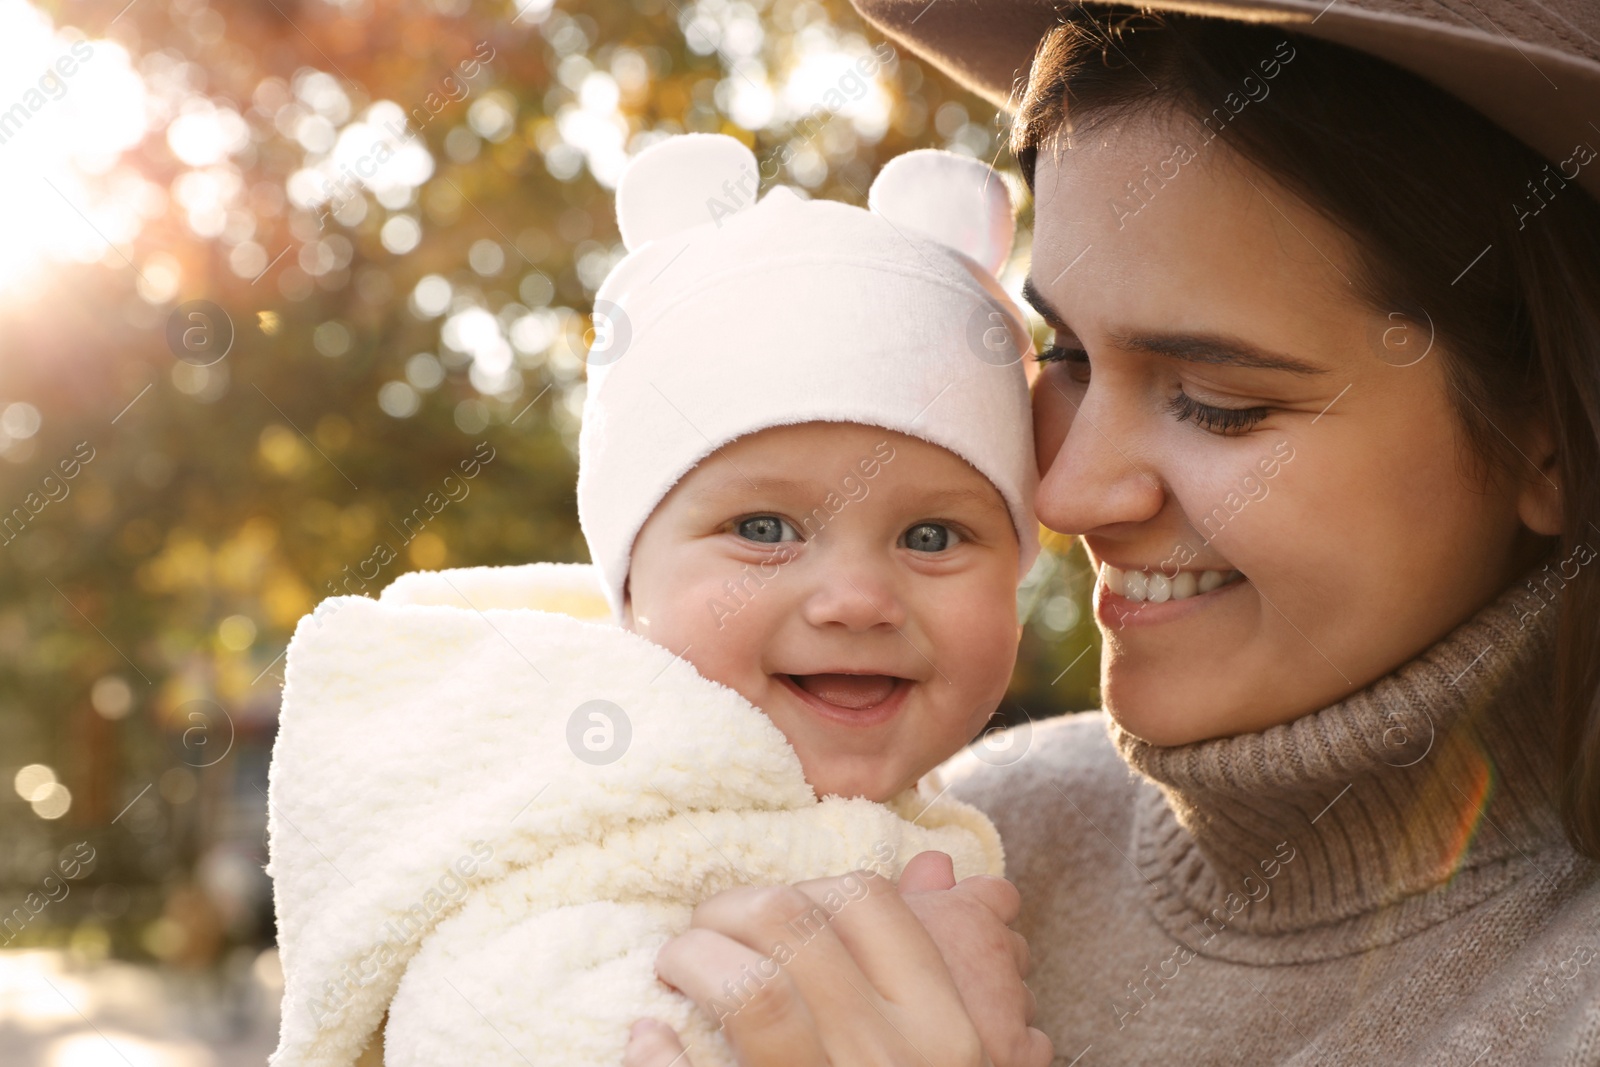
{"type": "Point", "coordinates": [1192, 348]}
{"type": "Point", "coordinates": [1213, 349]}
{"type": "Point", "coordinates": [1036, 300]}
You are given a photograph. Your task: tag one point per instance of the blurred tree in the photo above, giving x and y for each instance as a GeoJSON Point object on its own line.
{"type": "Point", "coordinates": [393, 217]}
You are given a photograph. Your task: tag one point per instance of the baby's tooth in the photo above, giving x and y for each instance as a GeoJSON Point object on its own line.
{"type": "Point", "coordinates": [1134, 585]}
{"type": "Point", "coordinates": [1113, 578]}
{"type": "Point", "coordinates": [1158, 588]}
{"type": "Point", "coordinates": [1209, 580]}
{"type": "Point", "coordinates": [1184, 585]}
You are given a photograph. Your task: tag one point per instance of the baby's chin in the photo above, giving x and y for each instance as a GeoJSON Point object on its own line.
{"type": "Point", "coordinates": [880, 783]}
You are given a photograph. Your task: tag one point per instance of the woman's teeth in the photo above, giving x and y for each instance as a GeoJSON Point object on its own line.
{"type": "Point", "coordinates": [1156, 587]}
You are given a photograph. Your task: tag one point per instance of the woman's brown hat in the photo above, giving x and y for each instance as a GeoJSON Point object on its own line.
{"type": "Point", "coordinates": [1532, 66]}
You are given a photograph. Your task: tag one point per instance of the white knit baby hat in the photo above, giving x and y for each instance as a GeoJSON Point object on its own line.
{"type": "Point", "coordinates": [730, 315]}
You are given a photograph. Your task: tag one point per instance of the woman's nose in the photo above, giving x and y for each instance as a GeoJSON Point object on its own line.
{"type": "Point", "coordinates": [1095, 476]}
{"type": "Point", "coordinates": [855, 594]}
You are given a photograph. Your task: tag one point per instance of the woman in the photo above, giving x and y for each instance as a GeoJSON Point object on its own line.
{"type": "Point", "coordinates": [1323, 405]}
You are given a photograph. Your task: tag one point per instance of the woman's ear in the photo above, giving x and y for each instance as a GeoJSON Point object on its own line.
{"type": "Point", "coordinates": [1539, 504]}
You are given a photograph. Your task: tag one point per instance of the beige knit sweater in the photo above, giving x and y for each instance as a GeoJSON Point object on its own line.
{"type": "Point", "coordinates": [1384, 881]}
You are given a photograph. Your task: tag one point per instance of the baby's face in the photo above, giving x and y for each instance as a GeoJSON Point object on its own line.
{"type": "Point", "coordinates": [856, 584]}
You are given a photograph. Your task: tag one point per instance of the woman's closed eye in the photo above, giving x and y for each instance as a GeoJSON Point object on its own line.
{"type": "Point", "coordinates": [766, 529]}
{"type": "Point", "coordinates": [1225, 421]}
{"type": "Point", "coordinates": [930, 537]}
{"type": "Point", "coordinates": [1076, 360]}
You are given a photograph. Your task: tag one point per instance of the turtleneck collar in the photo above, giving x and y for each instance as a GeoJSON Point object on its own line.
{"type": "Point", "coordinates": [1422, 794]}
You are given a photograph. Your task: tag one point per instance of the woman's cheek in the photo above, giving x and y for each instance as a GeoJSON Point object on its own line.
{"type": "Point", "coordinates": [1236, 501]}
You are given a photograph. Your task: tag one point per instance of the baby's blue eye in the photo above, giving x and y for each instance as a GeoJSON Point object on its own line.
{"type": "Point", "coordinates": [930, 537]}
{"type": "Point", "coordinates": [766, 529]}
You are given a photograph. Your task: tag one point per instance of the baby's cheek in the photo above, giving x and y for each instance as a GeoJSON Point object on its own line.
{"type": "Point", "coordinates": [730, 654]}
{"type": "Point", "coordinates": [988, 639]}
{"type": "Point", "coordinates": [982, 651]}
{"type": "Point", "coordinates": [680, 615]}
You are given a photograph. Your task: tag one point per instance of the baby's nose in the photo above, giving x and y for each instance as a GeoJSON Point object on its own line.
{"type": "Point", "coordinates": [858, 597]}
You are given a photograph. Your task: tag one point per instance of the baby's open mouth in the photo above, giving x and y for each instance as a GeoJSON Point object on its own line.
{"type": "Point", "coordinates": [854, 691]}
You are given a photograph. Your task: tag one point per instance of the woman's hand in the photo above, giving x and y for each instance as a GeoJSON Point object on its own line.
{"type": "Point", "coordinates": [852, 975]}
{"type": "Point", "coordinates": [827, 972]}
{"type": "Point", "coordinates": [970, 922]}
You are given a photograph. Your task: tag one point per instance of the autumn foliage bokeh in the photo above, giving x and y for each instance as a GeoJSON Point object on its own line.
{"type": "Point", "coordinates": [380, 336]}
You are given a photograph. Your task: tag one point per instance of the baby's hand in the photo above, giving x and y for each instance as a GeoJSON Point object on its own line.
{"type": "Point", "coordinates": [969, 922]}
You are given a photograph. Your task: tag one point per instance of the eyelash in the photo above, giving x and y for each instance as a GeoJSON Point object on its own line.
{"type": "Point", "coordinates": [1183, 407]}
{"type": "Point", "coordinates": [1226, 421]}
{"type": "Point", "coordinates": [1061, 354]}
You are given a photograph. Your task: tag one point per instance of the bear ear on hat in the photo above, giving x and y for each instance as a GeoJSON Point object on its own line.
{"type": "Point", "coordinates": [956, 200]}
{"type": "Point", "coordinates": [683, 181]}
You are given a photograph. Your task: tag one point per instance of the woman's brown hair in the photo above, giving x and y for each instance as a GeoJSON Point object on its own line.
{"type": "Point", "coordinates": [1460, 230]}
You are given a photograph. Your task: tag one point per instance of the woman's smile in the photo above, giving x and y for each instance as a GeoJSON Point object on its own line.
{"type": "Point", "coordinates": [1135, 598]}
{"type": "Point", "coordinates": [1156, 586]}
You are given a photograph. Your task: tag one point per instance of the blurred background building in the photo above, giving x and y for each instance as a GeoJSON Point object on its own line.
{"type": "Point", "coordinates": [268, 271]}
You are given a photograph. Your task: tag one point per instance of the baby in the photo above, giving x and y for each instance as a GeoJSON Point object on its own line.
{"type": "Point", "coordinates": [806, 464]}
{"type": "Point", "coordinates": [805, 471]}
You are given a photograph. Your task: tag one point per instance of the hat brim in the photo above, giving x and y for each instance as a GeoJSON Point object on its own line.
{"type": "Point", "coordinates": [1542, 86]}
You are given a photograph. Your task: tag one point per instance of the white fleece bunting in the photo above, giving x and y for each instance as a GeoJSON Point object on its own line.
{"type": "Point", "coordinates": [437, 841]}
